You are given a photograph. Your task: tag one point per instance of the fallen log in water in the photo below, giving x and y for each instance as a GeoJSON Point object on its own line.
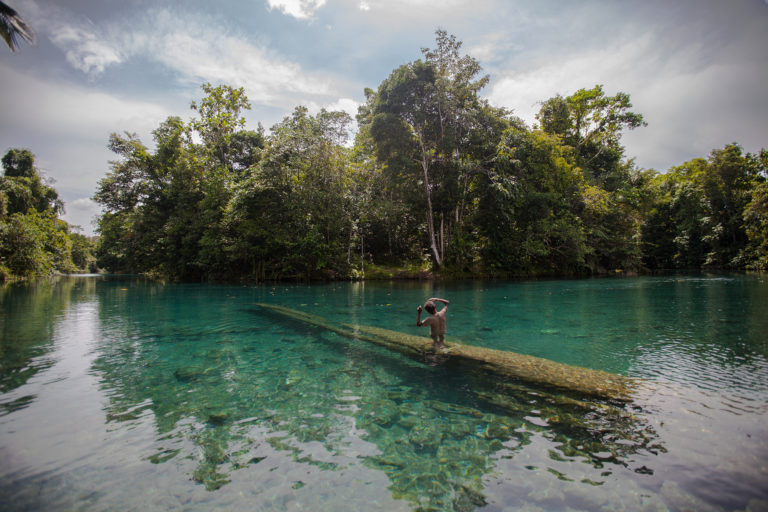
{"type": "Point", "coordinates": [523, 367]}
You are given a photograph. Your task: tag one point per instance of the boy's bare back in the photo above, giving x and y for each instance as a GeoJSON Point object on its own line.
{"type": "Point", "coordinates": [437, 321]}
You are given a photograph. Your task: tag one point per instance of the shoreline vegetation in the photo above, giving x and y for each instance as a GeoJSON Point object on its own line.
{"type": "Point", "coordinates": [433, 183]}
{"type": "Point", "coordinates": [379, 274]}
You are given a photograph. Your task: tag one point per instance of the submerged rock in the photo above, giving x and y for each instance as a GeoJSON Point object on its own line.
{"type": "Point", "coordinates": [461, 429]}
{"type": "Point", "coordinates": [382, 412]}
{"type": "Point", "coordinates": [424, 436]}
{"type": "Point", "coordinates": [188, 373]}
{"type": "Point", "coordinates": [497, 429]}
{"type": "Point", "coordinates": [408, 421]}
{"type": "Point", "coordinates": [217, 418]}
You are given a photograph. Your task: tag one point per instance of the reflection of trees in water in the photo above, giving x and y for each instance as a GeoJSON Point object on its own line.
{"type": "Point", "coordinates": [228, 399]}
{"type": "Point", "coordinates": [28, 313]}
{"type": "Point", "coordinates": [437, 453]}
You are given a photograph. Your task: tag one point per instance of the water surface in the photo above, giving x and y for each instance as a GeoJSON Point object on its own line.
{"type": "Point", "coordinates": [120, 393]}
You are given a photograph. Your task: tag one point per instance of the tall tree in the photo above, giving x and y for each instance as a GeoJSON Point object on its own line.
{"type": "Point", "coordinates": [728, 182]}
{"type": "Point", "coordinates": [23, 187]}
{"type": "Point", "coordinates": [425, 111]}
{"type": "Point", "coordinates": [291, 216]}
{"type": "Point", "coordinates": [527, 207]}
{"type": "Point", "coordinates": [756, 215]}
{"type": "Point", "coordinates": [165, 211]}
{"type": "Point", "coordinates": [220, 119]}
{"type": "Point", "coordinates": [756, 226]}
{"type": "Point", "coordinates": [592, 123]}
{"type": "Point", "coordinates": [396, 231]}
{"type": "Point", "coordinates": [708, 212]}
{"type": "Point", "coordinates": [34, 242]}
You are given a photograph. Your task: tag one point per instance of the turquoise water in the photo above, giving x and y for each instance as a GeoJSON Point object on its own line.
{"type": "Point", "coordinates": [123, 394]}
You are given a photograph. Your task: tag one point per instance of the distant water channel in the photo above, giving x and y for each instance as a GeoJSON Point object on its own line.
{"type": "Point", "coordinates": [124, 394]}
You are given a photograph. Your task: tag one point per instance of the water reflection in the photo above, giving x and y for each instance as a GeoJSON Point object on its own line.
{"type": "Point", "coordinates": [28, 316]}
{"type": "Point", "coordinates": [191, 395]}
{"type": "Point", "coordinates": [234, 390]}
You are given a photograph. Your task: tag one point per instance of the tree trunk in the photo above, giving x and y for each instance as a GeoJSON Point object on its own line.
{"type": "Point", "coordinates": [442, 236]}
{"type": "Point", "coordinates": [520, 367]}
{"type": "Point", "coordinates": [430, 217]}
{"type": "Point", "coordinates": [349, 244]}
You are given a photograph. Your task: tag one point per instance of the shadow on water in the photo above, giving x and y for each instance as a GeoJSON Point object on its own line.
{"type": "Point", "coordinates": [235, 396]}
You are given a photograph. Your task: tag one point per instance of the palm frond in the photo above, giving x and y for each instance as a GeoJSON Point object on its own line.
{"type": "Point", "coordinates": [12, 27]}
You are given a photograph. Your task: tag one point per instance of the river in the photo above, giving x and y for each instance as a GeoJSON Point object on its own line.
{"type": "Point", "coordinates": [118, 393]}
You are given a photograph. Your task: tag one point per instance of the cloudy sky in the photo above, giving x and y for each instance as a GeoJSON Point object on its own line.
{"type": "Point", "coordinates": [696, 69]}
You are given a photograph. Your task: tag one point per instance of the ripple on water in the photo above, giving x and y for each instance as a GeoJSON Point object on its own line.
{"type": "Point", "coordinates": [204, 405]}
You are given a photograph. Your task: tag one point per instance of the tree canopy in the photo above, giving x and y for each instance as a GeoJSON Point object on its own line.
{"type": "Point", "coordinates": [435, 178]}
{"type": "Point", "coordinates": [34, 242]}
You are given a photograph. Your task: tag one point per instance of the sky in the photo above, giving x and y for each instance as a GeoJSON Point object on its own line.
{"type": "Point", "coordinates": [697, 70]}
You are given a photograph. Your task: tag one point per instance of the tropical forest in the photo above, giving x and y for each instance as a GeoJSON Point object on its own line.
{"type": "Point", "coordinates": [429, 179]}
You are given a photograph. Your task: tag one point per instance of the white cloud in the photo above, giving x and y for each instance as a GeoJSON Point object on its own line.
{"type": "Point", "coordinates": [688, 96]}
{"type": "Point", "coordinates": [488, 50]}
{"type": "Point", "coordinates": [67, 128]}
{"type": "Point", "coordinates": [84, 49]}
{"type": "Point", "coordinates": [196, 48]}
{"type": "Point", "coordinates": [347, 105]}
{"type": "Point", "coordinates": [82, 212]}
{"type": "Point", "coordinates": [621, 67]}
{"type": "Point", "coordinates": [201, 52]}
{"type": "Point", "coordinates": [301, 9]}
{"type": "Point", "coordinates": [411, 16]}
{"type": "Point", "coordinates": [54, 108]}
{"type": "Point", "coordinates": [85, 45]}
{"type": "Point", "coordinates": [413, 4]}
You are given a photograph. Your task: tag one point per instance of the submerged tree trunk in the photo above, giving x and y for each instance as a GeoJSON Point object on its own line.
{"type": "Point", "coordinates": [521, 367]}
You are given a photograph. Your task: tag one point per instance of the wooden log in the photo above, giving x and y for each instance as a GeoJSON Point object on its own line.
{"type": "Point", "coordinates": [531, 369]}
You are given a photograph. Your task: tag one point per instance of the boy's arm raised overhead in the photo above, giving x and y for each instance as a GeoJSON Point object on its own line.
{"type": "Point", "coordinates": [444, 301]}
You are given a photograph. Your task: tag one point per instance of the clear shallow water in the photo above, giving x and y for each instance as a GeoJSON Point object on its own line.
{"type": "Point", "coordinates": [126, 394]}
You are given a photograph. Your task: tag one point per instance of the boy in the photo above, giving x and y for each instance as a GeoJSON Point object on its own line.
{"type": "Point", "coordinates": [436, 322]}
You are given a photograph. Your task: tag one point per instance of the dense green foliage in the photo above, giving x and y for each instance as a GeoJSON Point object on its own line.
{"type": "Point", "coordinates": [710, 212]}
{"type": "Point", "coordinates": [436, 178]}
{"type": "Point", "coordinates": [34, 242]}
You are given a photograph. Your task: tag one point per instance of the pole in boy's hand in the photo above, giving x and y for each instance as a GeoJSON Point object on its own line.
{"type": "Point", "coordinates": [436, 322]}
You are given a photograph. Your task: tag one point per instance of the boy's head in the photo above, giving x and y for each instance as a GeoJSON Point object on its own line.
{"type": "Point", "coordinates": [430, 307]}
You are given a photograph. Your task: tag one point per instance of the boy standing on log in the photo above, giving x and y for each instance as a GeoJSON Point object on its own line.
{"type": "Point", "coordinates": [436, 322]}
